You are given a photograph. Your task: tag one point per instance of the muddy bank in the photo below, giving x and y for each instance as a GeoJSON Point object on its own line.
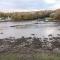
{"type": "Point", "coordinates": [30, 44]}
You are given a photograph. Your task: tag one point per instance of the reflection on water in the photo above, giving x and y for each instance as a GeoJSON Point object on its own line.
{"type": "Point", "coordinates": [18, 29]}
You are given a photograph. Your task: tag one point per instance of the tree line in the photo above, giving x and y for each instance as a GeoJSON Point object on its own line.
{"type": "Point", "coordinates": [20, 16]}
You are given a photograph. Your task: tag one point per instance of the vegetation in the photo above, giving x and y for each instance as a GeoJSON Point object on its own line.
{"type": "Point", "coordinates": [35, 56]}
{"type": "Point", "coordinates": [22, 16]}
{"type": "Point", "coordinates": [56, 14]}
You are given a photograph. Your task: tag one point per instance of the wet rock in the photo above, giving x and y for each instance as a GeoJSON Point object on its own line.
{"type": "Point", "coordinates": [12, 26]}
{"type": "Point", "coordinates": [1, 32]}
{"type": "Point", "coordinates": [50, 35]}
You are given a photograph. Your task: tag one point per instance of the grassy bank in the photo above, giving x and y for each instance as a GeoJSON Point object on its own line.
{"type": "Point", "coordinates": [35, 56]}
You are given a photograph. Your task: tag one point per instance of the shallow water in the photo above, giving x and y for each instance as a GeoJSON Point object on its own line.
{"type": "Point", "coordinates": [18, 29]}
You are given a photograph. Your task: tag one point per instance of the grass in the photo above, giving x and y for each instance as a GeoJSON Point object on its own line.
{"type": "Point", "coordinates": [9, 56]}
{"type": "Point", "coordinates": [35, 56]}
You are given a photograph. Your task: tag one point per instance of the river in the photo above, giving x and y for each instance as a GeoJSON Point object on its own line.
{"type": "Point", "coordinates": [27, 28]}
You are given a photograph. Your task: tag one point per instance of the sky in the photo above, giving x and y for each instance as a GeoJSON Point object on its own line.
{"type": "Point", "coordinates": [28, 5]}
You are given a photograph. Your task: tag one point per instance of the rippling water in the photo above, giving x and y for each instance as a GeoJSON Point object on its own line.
{"type": "Point", "coordinates": [18, 29]}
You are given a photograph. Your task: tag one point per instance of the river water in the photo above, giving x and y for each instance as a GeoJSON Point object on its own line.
{"type": "Point", "coordinates": [27, 28]}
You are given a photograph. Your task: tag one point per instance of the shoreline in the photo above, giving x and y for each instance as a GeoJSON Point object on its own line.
{"type": "Point", "coordinates": [30, 20]}
{"type": "Point", "coordinates": [13, 45]}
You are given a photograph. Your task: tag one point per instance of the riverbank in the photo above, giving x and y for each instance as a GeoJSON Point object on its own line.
{"type": "Point", "coordinates": [39, 20]}
{"type": "Point", "coordinates": [30, 43]}
{"type": "Point", "coordinates": [30, 48]}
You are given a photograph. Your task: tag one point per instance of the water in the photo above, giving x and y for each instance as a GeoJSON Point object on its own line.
{"type": "Point", "coordinates": [18, 29]}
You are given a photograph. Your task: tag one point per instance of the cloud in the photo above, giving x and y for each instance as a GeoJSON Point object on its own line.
{"type": "Point", "coordinates": [30, 5]}
{"type": "Point", "coordinates": [56, 5]}
{"type": "Point", "coordinates": [50, 1]}
{"type": "Point", "coordinates": [19, 4]}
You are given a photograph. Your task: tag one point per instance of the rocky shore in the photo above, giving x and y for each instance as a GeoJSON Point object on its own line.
{"type": "Point", "coordinates": [30, 44]}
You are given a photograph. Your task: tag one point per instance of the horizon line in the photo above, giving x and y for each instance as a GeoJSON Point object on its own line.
{"type": "Point", "coordinates": [23, 10]}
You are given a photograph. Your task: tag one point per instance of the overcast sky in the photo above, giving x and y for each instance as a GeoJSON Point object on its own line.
{"type": "Point", "coordinates": [29, 4]}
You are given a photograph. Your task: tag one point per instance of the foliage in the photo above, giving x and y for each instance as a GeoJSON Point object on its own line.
{"type": "Point", "coordinates": [22, 16]}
